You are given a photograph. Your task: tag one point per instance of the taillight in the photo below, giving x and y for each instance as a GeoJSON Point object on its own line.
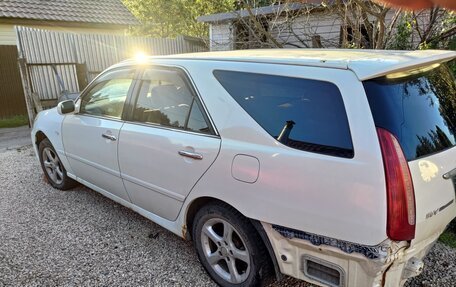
{"type": "Point", "coordinates": [400, 193]}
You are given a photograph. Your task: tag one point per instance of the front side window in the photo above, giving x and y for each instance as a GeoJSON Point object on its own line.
{"type": "Point", "coordinates": [165, 99]}
{"type": "Point", "coordinates": [304, 114]}
{"type": "Point", "coordinates": [107, 97]}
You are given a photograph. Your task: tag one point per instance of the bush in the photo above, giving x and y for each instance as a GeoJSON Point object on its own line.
{"type": "Point", "coordinates": [448, 238]}
{"type": "Point", "coordinates": [452, 226]}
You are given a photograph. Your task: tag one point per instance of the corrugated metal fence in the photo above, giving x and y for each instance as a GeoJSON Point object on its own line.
{"type": "Point", "coordinates": [56, 61]}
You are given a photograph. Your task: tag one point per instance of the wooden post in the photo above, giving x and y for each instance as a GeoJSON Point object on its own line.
{"type": "Point", "coordinates": [37, 102]}
{"type": "Point", "coordinates": [27, 90]}
{"type": "Point", "coordinates": [81, 73]}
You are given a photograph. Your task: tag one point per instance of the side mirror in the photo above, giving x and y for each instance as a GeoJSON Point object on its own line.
{"type": "Point", "coordinates": [66, 107]}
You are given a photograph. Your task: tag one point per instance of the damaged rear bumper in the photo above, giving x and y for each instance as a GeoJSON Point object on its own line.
{"type": "Point", "coordinates": [330, 262]}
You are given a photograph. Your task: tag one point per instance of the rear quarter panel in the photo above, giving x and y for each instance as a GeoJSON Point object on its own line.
{"type": "Point", "coordinates": [335, 197]}
{"type": "Point", "coordinates": [434, 195]}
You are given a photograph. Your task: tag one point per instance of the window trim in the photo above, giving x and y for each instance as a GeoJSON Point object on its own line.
{"type": "Point", "coordinates": [352, 156]}
{"type": "Point", "coordinates": [96, 81]}
{"type": "Point", "coordinates": [185, 76]}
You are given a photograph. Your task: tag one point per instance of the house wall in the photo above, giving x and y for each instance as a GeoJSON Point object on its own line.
{"type": "Point", "coordinates": [303, 28]}
{"type": "Point", "coordinates": [221, 37]}
{"type": "Point", "coordinates": [8, 34]}
{"type": "Point", "coordinates": [422, 17]}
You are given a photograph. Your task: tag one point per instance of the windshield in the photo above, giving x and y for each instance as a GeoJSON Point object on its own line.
{"type": "Point", "coordinates": [419, 108]}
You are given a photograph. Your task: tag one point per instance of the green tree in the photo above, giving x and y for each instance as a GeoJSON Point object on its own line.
{"type": "Point", "coordinates": [404, 30]}
{"type": "Point", "coordinates": [171, 18]}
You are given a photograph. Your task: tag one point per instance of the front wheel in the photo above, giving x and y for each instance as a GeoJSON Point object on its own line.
{"type": "Point", "coordinates": [53, 168]}
{"type": "Point", "coordinates": [229, 247]}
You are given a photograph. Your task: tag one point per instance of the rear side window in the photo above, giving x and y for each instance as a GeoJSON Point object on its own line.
{"type": "Point", "coordinates": [304, 114]}
{"type": "Point", "coordinates": [165, 99]}
{"type": "Point", "coordinates": [419, 108]}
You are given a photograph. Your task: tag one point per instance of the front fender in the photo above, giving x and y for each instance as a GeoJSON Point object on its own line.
{"type": "Point", "coordinates": [49, 122]}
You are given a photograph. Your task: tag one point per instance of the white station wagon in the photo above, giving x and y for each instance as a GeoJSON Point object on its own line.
{"type": "Point", "coordinates": [336, 167]}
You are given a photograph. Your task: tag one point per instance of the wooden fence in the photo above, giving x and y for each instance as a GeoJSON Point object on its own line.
{"type": "Point", "coordinates": [55, 62]}
{"type": "Point", "coordinates": [12, 102]}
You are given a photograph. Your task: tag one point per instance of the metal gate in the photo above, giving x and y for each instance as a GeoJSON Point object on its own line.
{"type": "Point", "coordinates": [52, 62]}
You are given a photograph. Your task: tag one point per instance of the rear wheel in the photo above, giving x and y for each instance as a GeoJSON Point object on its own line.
{"type": "Point", "coordinates": [53, 168]}
{"type": "Point", "coordinates": [229, 247]}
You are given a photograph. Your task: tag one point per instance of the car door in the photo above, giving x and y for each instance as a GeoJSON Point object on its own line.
{"type": "Point", "coordinates": [90, 135]}
{"type": "Point", "coordinates": [167, 144]}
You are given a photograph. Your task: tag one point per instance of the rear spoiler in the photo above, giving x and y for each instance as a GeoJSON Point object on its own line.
{"type": "Point", "coordinates": [405, 61]}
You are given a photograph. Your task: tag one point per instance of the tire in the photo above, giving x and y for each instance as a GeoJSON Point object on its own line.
{"type": "Point", "coordinates": [53, 168]}
{"type": "Point", "coordinates": [220, 253]}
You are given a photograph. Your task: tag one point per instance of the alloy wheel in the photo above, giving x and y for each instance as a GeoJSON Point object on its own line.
{"type": "Point", "coordinates": [52, 165]}
{"type": "Point", "coordinates": [225, 250]}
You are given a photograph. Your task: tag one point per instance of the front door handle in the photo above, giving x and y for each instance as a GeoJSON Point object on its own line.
{"type": "Point", "coordinates": [190, 154]}
{"type": "Point", "coordinates": [109, 137]}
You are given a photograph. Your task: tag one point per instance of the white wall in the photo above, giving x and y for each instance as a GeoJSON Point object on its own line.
{"type": "Point", "coordinates": [221, 37]}
{"type": "Point", "coordinates": [422, 18]}
{"type": "Point", "coordinates": [304, 27]}
{"type": "Point", "coordinates": [222, 34]}
{"type": "Point", "coordinates": [328, 27]}
{"type": "Point", "coordinates": [7, 35]}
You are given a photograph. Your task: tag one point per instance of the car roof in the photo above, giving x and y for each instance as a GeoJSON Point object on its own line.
{"type": "Point", "coordinates": [366, 64]}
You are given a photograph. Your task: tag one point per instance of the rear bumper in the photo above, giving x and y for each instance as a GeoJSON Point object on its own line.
{"type": "Point", "coordinates": [387, 264]}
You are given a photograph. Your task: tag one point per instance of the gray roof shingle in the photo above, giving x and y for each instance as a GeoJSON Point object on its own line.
{"type": "Point", "coordinates": [83, 11]}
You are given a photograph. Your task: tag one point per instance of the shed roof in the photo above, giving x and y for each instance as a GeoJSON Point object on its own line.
{"type": "Point", "coordinates": [82, 11]}
{"type": "Point", "coordinates": [266, 10]}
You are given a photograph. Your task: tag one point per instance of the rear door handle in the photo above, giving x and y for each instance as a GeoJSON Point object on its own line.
{"type": "Point", "coordinates": [450, 174]}
{"type": "Point", "coordinates": [190, 154]}
{"type": "Point", "coordinates": [109, 137]}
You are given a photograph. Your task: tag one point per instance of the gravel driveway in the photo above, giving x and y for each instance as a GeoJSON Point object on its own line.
{"type": "Point", "coordinates": [14, 137]}
{"type": "Point", "coordinates": [80, 238]}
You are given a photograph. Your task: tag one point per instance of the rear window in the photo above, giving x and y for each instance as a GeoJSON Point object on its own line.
{"type": "Point", "coordinates": [304, 114]}
{"type": "Point", "coordinates": [419, 108]}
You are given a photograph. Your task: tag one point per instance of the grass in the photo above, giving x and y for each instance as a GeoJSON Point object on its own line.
{"type": "Point", "coordinates": [15, 121]}
{"type": "Point", "coordinates": [448, 238]}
